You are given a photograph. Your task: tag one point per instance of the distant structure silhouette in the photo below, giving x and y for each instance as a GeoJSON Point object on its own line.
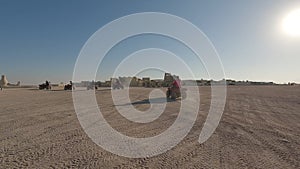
{"type": "Point", "coordinates": [3, 81]}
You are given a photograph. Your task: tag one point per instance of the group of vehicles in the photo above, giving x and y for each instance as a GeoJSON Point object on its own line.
{"type": "Point", "coordinates": [174, 90]}
{"type": "Point", "coordinates": [70, 86]}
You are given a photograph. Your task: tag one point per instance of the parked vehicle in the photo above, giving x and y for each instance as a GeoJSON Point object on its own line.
{"type": "Point", "coordinates": [45, 85]}
{"type": "Point", "coordinates": [69, 86]}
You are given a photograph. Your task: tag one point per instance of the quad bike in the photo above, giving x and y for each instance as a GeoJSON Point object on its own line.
{"type": "Point", "coordinates": [175, 92]}
{"type": "Point", "coordinates": [68, 87]}
{"type": "Point", "coordinates": [45, 86]}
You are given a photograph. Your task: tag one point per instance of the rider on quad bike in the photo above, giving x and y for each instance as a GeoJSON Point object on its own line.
{"type": "Point", "coordinates": [45, 85]}
{"type": "Point", "coordinates": [69, 86]}
{"type": "Point", "coordinates": [174, 89]}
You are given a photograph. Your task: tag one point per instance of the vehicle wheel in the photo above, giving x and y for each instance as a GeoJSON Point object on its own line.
{"type": "Point", "coordinates": [168, 93]}
{"type": "Point", "coordinates": [173, 95]}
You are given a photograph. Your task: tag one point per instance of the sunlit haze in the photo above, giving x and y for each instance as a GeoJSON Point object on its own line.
{"type": "Point", "coordinates": [291, 23]}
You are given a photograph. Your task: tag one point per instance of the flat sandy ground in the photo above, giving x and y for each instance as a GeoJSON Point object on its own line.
{"type": "Point", "coordinates": [260, 128]}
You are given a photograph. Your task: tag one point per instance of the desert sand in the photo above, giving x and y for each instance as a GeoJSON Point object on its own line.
{"type": "Point", "coordinates": [260, 128]}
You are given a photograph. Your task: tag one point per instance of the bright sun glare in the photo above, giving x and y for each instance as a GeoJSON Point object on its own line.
{"type": "Point", "coordinates": [291, 23]}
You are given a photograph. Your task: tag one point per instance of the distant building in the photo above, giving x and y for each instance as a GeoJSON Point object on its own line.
{"type": "Point", "coordinates": [107, 83]}
{"type": "Point", "coordinates": [3, 81]}
{"type": "Point", "coordinates": [134, 82]}
{"type": "Point", "coordinates": [140, 83]}
{"type": "Point", "coordinates": [125, 81]}
{"type": "Point", "coordinates": [202, 82]}
{"type": "Point", "coordinates": [230, 82]}
{"type": "Point", "coordinates": [156, 83]}
{"type": "Point", "coordinates": [189, 83]}
{"type": "Point", "coordinates": [146, 81]}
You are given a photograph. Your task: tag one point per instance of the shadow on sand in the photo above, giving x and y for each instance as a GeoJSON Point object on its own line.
{"type": "Point", "coordinates": [150, 101]}
{"type": "Point", "coordinates": [52, 90]}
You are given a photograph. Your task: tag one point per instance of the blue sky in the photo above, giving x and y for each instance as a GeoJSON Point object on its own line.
{"type": "Point", "coordinates": [41, 40]}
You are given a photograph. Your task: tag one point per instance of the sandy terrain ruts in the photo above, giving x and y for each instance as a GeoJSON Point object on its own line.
{"type": "Point", "coordinates": [260, 128]}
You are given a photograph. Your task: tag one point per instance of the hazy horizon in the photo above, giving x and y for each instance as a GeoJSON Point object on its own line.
{"type": "Point", "coordinates": [151, 78]}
